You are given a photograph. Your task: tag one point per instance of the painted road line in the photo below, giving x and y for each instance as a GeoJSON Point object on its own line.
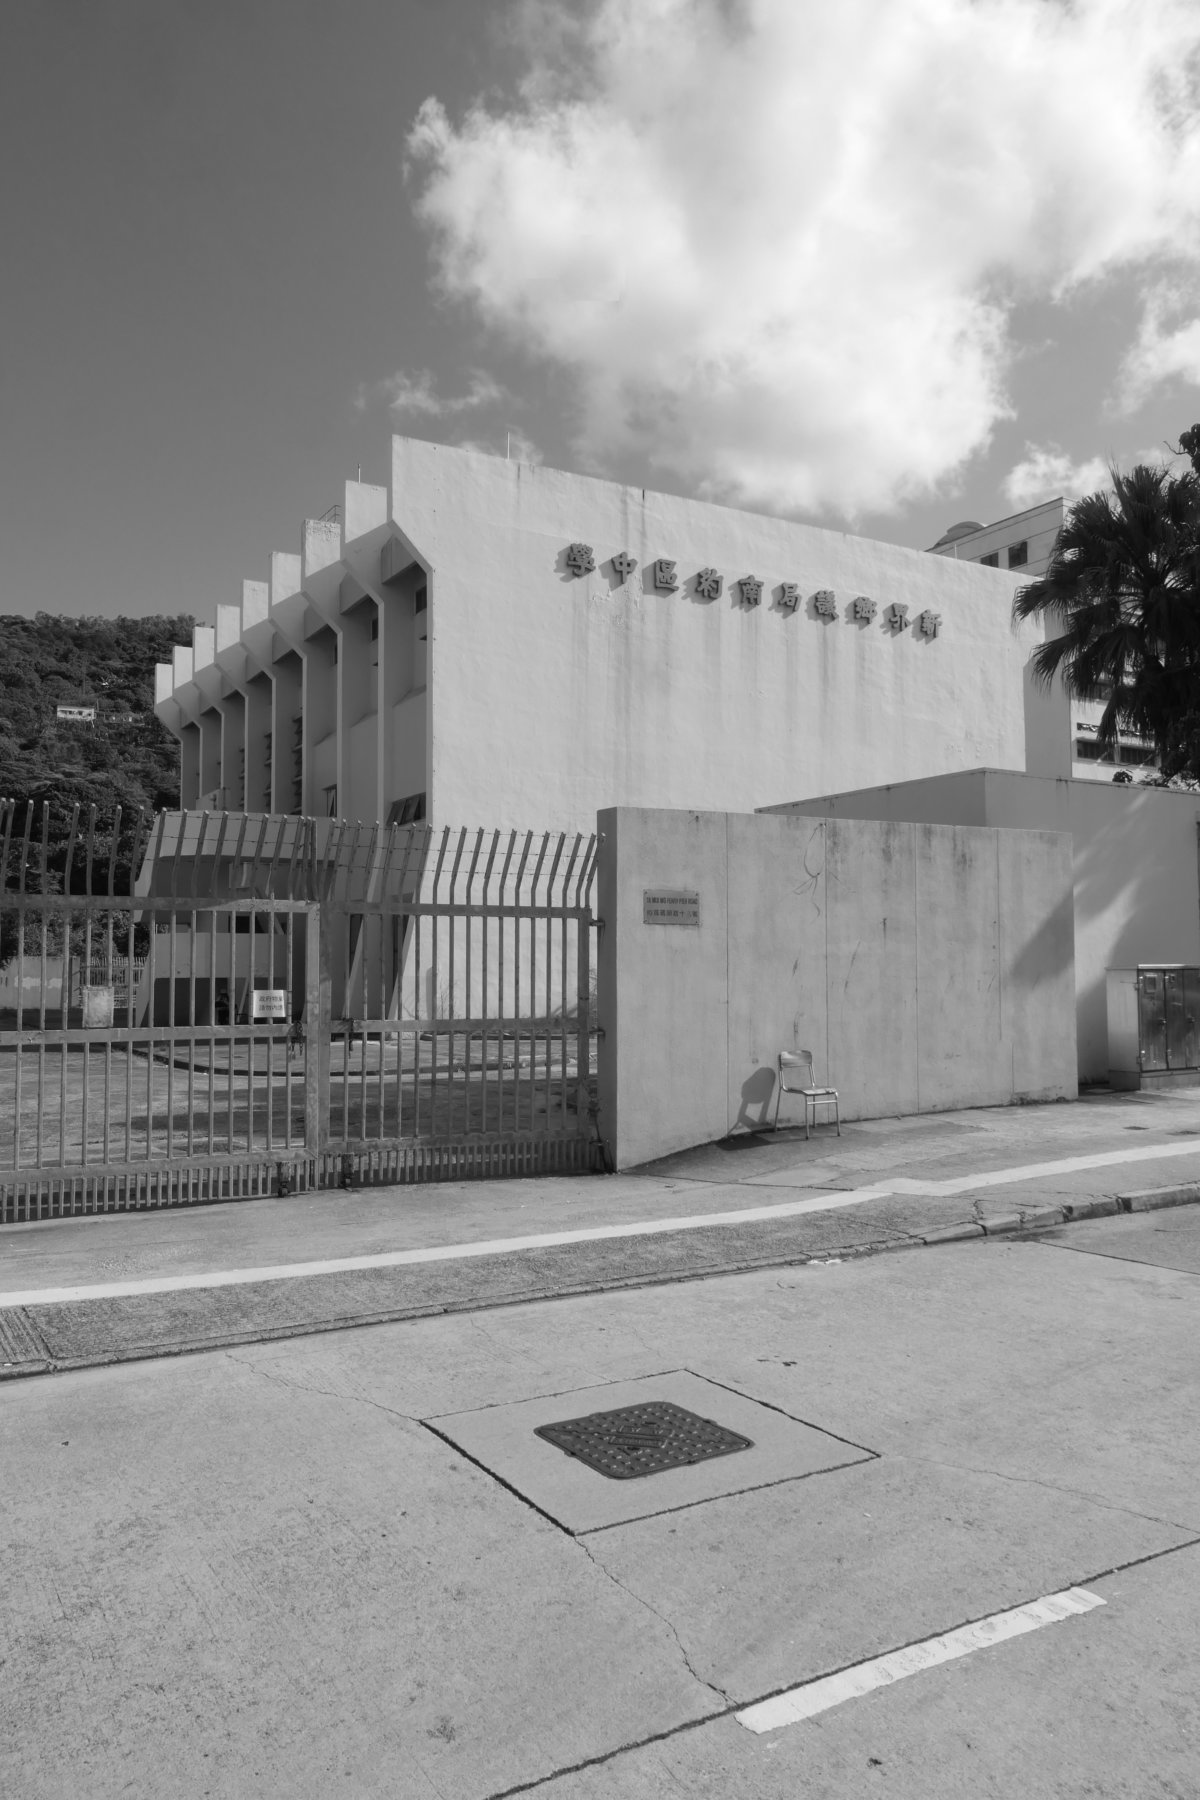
{"type": "Point", "coordinates": [833, 1201]}
{"type": "Point", "coordinates": [967, 1184]}
{"type": "Point", "coordinates": [831, 1690]}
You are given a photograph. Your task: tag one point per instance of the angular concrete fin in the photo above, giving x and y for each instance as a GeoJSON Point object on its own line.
{"type": "Point", "coordinates": [364, 509]}
{"type": "Point", "coordinates": [350, 592]}
{"type": "Point", "coordinates": [181, 663]}
{"type": "Point", "coordinates": [322, 545]}
{"type": "Point", "coordinates": [164, 682]}
{"type": "Point", "coordinates": [254, 603]}
{"type": "Point", "coordinates": [229, 627]}
{"type": "Point", "coordinates": [394, 557]}
{"type": "Point", "coordinates": [285, 576]}
{"type": "Point", "coordinates": [204, 646]}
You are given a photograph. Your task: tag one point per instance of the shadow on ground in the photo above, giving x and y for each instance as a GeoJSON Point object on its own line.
{"type": "Point", "coordinates": [748, 1153]}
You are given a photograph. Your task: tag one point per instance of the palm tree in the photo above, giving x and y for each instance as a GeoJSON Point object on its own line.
{"type": "Point", "coordinates": [1123, 585]}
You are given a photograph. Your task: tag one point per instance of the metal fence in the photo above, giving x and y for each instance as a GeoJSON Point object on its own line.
{"type": "Point", "coordinates": [304, 1003]}
{"type": "Point", "coordinates": [467, 1036]}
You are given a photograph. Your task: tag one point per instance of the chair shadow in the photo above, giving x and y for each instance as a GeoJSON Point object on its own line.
{"type": "Point", "coordinates": [758, 1091]}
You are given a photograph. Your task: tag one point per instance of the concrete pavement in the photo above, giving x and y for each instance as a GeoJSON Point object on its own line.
{"type": "Point", "coordinates": [317, 1566]}
{"type": "Point", "coordinates": [76, 1292]}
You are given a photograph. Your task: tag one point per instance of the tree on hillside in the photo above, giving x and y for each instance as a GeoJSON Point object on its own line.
{"type": "Point", "coordinates": [48, 767]}
{"type": "Point", "coordinates": [128, 759]}
{"type": "Point", "coordinates": [1123, 588]}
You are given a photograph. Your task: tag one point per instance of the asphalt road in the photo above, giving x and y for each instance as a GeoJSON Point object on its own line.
{"type": "Point", "coordinates": [346, 1564]}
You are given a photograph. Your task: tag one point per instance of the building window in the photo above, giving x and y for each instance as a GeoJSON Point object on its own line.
{"type": "Point", "coordinates": [409, 811]}
{"type": "Point", "coordinates": [331, 802]}
{"type": "Point", "coordinates": [1018, 554]}
{"type": "Point", "coordinates": [991, 560]}
{"type": "Point", "coordinates": [422, 599]}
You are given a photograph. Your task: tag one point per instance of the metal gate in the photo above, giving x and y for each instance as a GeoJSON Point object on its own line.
{"type": "Point", "coordinates": [286, 1003]}
{"type": "Point", "coordinates": [464, 1034]}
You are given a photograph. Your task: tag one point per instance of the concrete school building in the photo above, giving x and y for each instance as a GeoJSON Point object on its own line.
{"type": "Point", "coordinates": [495, 643]}
{"type": "Point", "coordinates": [492, 644]}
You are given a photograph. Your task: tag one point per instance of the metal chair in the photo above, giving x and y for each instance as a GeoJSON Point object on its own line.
{"type": "Point", "coordinates": [813, 1095]}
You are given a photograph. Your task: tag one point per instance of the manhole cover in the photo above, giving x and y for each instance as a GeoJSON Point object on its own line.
{"type": "Point", "coordinates": [642, 1440]}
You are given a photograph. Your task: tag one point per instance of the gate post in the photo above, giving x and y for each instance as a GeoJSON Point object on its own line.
{"type": "Point", "coordinates": [317, 1035]}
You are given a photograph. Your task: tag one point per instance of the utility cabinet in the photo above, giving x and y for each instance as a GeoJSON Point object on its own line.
{"type": "Point", "coordinates": [1154, 1026]}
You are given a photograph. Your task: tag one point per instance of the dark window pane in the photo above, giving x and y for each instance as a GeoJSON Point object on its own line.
{"type": "Point", "coordinates": [1018, 554]}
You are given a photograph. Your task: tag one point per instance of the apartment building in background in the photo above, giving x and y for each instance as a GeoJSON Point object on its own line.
{"type": "Point", "coordinates": [1023, 543]}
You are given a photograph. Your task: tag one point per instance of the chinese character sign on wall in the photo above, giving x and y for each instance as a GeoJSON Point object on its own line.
{"type": "Point", "coordinates": [580, 559]}
{"type": "Point", "coordinates": [661, 576]}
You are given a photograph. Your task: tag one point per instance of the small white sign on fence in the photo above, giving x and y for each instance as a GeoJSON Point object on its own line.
{"type": "Point", "coordinates": [97, 1007]}
{"type": "Point", "coordinates": [269, 1003]}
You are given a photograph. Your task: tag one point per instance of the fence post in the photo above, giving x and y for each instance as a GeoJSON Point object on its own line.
{"type": "Point", "coordinates": [317, 1037]}
{"type": "Point", "coordinates": [583, 1030]}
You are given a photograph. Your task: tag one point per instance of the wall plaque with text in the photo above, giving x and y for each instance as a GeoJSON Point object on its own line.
{"type": "Point", "coordinates": [670, 906]}
{"type": "Point", "coordinates": [269, 1003]}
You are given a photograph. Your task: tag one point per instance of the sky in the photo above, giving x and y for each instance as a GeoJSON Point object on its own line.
{"type": "Point", "coordinates": [876, 267]}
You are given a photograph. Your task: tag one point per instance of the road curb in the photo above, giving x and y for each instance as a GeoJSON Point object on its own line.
{"type": "Point", "coordinates": [1185, 1193]}
{"type": "Point", "coordinates": [950, 1234]}
{"type": "Point", "coordinates": [36, 1362]}
{"type": "Point", "coordinates": [1092, 1209]}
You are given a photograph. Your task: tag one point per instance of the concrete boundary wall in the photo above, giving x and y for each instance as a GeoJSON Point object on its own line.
{"type": "Point", "coordinates": [1136, 872]}
{"type": "Point", "coordinates": [926, 966]}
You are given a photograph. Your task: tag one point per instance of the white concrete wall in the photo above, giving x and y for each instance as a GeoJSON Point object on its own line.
{"type": "Point", "coordinates": [409, 736]}
{"type": "Point", "coordinates": [1135, 875]}
{"type": "Point", "coordinates": [552, 695]}
{"type": "Point", "coordinates": [925, 966]}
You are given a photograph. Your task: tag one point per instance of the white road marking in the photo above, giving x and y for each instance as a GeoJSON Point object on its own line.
{"type": "Point", "coordinates": [818, 1696]}
{"type": "Point", "coordinates": [901, 1186]}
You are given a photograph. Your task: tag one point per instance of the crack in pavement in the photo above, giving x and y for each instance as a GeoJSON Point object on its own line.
{"type": "Point", "coordinates": [735, 1706]}
{"type": "Point", "coordinates": [304, 1387]}
{"type": "Point", "coordinates": [1053, 1487]}
{"type": "Point", "coordinates": [641, 1600]}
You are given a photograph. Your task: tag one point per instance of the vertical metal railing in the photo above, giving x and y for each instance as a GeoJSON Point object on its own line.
{"type": "Point", "coordinates": [423, 1005]}
{"type": "Point", "coordinates": [465, 1035]}
{"type": "Point", "coordinates": [167, 1085]}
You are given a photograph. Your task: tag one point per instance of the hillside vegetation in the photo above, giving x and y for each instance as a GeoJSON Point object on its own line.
{"type": "Point", "coordinates": [126, 758]}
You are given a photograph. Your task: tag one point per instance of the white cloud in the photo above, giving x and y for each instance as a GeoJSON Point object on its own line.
{"type": "Point", "coordinates": [414, 392]}
{"type": "Point", "coordinates": [1167, 346]}
{"type": "Point", "coordinates": [778, 241]}
{"type": "Point", "coordinates": [1045, 471]}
